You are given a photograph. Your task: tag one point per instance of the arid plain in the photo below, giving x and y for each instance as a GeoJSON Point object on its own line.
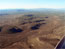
{"type": "Point", "coordinates": [32, 30]}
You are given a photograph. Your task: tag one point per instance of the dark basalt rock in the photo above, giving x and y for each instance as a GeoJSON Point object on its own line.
{"type": "Point", "coordinates": [29, 15]}
{"type": "Point", "coordinates": [24, 23]}
{"type": "Point", "coordinates": [46, 17]}
{"type": "Point", "coordinates": [39, 20]}
{"type": "Point", "coordinates": [15, 30]}
{"type": "Point", "coordinates": [0, 29]}
{"type": "Point", "coordinates": [35, 27]}
{"type": "Point", "coordinates": [43, 23]}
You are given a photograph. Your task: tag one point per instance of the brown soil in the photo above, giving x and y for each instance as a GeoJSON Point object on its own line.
{"type": "Point", "coordinates": [39, 34]}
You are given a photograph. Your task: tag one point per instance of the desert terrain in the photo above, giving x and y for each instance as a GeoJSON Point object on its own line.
{"type": "Point", "coordinates": [32, 30]}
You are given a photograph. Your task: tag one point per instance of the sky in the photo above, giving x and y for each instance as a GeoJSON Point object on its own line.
{"type": "Point", "coordinates": [30, 4]}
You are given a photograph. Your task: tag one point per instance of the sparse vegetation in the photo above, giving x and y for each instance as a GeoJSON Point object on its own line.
{"type": "Point", "coordinates": [31, 29]}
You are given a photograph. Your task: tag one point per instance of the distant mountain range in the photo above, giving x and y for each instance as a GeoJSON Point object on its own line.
{"type": "Point", "coordinates": [17, 11]}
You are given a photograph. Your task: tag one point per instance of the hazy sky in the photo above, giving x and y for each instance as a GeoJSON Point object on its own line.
{"type": "Point", "coordinates": [28, 4]}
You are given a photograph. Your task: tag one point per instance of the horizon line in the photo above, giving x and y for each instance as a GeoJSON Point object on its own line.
{"type": "Point", "coordinates": [31, 8]}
